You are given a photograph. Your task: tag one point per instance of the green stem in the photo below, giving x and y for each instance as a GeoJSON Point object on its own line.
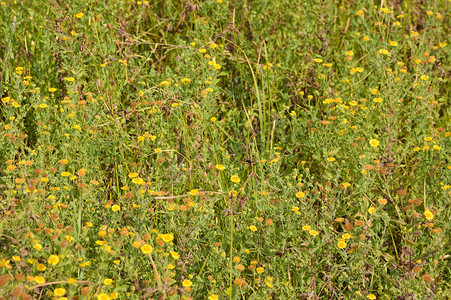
{"type": "Point", "coordinates": [259, 102]}
{"type": "Point", "coordinates": [231, 248]}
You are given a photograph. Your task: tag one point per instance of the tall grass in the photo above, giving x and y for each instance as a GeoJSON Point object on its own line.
{"type": "Point", "coordinates": [225, 150]}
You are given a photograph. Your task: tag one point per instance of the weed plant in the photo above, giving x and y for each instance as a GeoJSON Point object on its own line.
{"type": "Point", "coordinates": [225, 149]}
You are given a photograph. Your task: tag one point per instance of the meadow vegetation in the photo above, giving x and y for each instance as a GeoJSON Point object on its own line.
{"type": "Point", "coordinates": [225, 149]}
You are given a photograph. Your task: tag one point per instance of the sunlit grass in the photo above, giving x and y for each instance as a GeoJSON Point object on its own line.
{"type": "Point", "coordinates": [224, 150]}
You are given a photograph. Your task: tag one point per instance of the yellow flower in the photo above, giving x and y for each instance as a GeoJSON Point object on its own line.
{"type": "Point", "coordinates": [213, 297]}
{"type": "Point", "coordinates": [306, 228]}
{"type": "Point", "coordinates": [235, 179]}
{"type": "Point", "coordinates": [103, 296]}
{"type": "Point", "coordinates": [59, 292]}
{"type": "Point", "coordinates": [194, 192]}
{"type": "Point", "coordinates": [437, 147]}
{"type": "Point", "coordinates": [175, 255]}
{"type": "Point", "coordinates": [347, 236]}
{"type": "Point", "coordinates": [371, 296]}
{"type": "Point", "coordinates": [341, 244]}
{"type": "Point", "coordinates": [113, 295]}
{"type": "Point", "coordinates": [300, 194]}
{"type": "Point", "coordinates": [37, 247]}
{"type": "Point", "coordinates": [5, 264]}
{"type": "Point", "coordinates": [157, 150]}
{"type": "Point", "coordinates": [428, 214]}
{"type": "Point", "coordinates": [313, 232]}
{"type": "Point", "coordinates": [108, 281]}
{"type": "Point", "coordinates": [137, 244]}
{"type": "Point", "coordinates": [51, 90]}
{"type": "Point", "coordinates": [53, 260]}
{"type": "Point", "coordinates": [331, 159]}
{"type": "Point", "coordinates": [186, 80]}
{"type": "Point", "coordinates": [41, 267]}
{"type": "Point", "coordinates": [71, 281]}
{"type": "Point", "coordinates": [424, 77]}
{"type": "Point", "coordinates": [374, 143]}
{"type": "Point", "coordinates": [260, 270]}
{"type": "Point", "coordinates": [65, 174]}
{"type": "Point", "coordinates": [115, 207]}
{"type": "Point", "coordinates": [220, 167]}
{"type": "Point", "coordinates": [187, 283]}
{"type": "Point", "coordinates": [39, 279]}
{"type": "Point", "coordinates": [31, 261]}
{"type": "Point", "coordinates": [138, 181]}
{"type": "Point", "coordinates": [79, 15]}
{"type": "Point", "coordinates": [268, 281]}
{"type": "Point", "coordinates": [371, 210]}
{"type": "Point", "coordinates": [253, 228]}
{"type": "Point", "coordinates": [146, 249]}
{"type": "Point", "coordinates": [393, 43]}
{"type": "Point", "coordinates": [318, 60]}
{"type": "Point", "coordinates": [166, 237]}
{"type": "Point", "coordinates": [378, 100]}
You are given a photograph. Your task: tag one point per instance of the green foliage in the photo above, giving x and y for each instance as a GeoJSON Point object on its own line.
{"type": "Point", "coordinates": [224, 149]}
